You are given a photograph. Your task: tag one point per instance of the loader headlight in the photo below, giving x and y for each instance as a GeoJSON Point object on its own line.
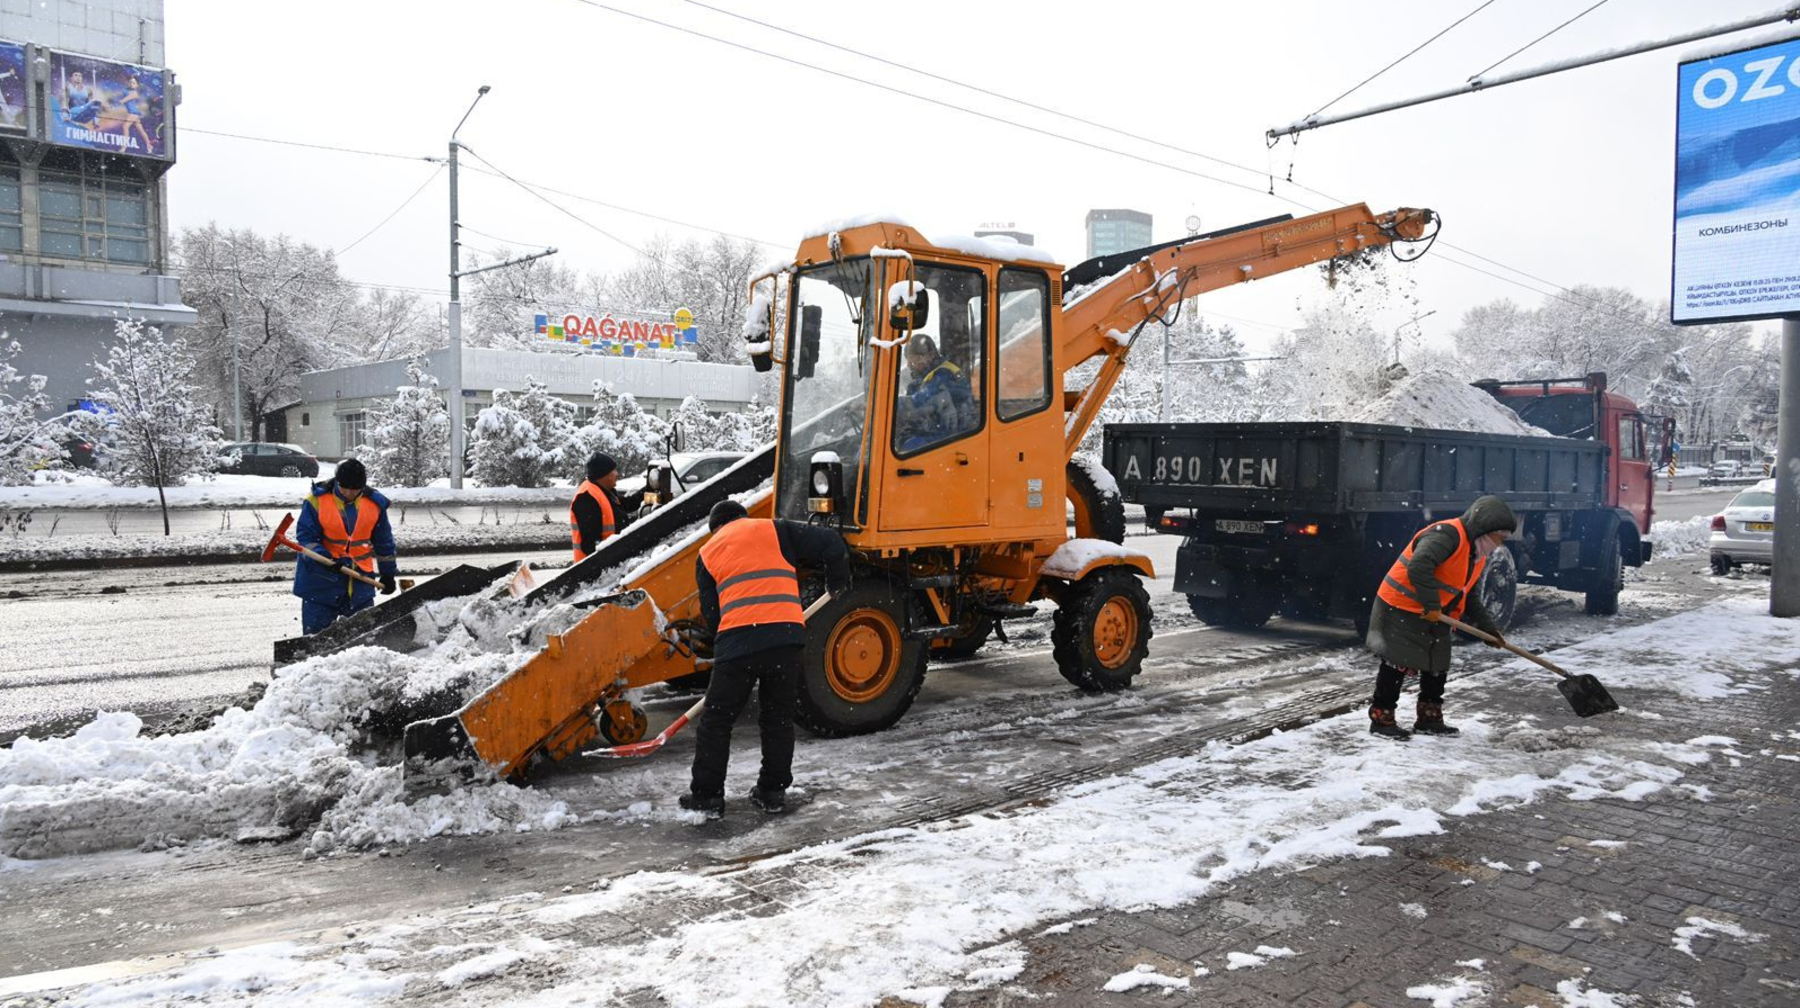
{"type": "Point", "coordinates": [827, 482]}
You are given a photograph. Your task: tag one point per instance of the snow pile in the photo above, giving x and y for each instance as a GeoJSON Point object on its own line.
{"type": "Point", "coordinates": [1682, 538]}
{"type": "Point", "coordinates": [1449, 992]}
{"type": "Point", "coordinates": [296, 758]}
{"type": "Point", "coordinates": [1144, 975]}
{"type": "Point", "coordinates": [1694, 654]}
{"type": "Point", "coordinates": [1439, 400]}
{"type": "Point", "coordinates": [1074, 555]}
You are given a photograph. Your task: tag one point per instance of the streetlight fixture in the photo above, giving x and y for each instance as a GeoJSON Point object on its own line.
{"type": "Point", "coordinates": [455, 390]}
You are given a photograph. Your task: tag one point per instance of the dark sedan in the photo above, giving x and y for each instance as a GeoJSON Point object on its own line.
{"type": "Point", "coordinates": [268, 458]}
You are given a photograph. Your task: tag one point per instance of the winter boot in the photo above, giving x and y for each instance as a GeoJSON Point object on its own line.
{"type": "Point", "coordinates": [1381, 722]}
{"type": "Point", "coordinates": [772, 801]}
{"type": "Point", "coordinates": [1431, 721]}
{"type": "Point", "coordinates": [712, 805]}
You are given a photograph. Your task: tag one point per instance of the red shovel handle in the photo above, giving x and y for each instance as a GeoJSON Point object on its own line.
{"type": "Point", "coordinates": [280, 538]}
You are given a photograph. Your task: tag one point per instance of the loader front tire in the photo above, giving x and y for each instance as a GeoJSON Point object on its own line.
{"type": "Point", "coordinates": [1101, 630]}
{"type": "Point", "coordinates": [860, 672]}
{"type": "Point", "coordinates": [1098, 515]}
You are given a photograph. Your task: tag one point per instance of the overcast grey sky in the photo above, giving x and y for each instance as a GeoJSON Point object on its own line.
{"type": "Point", "coordinates": [1568, 178]}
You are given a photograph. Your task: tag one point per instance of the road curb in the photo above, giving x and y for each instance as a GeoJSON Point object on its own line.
{"type": "Point", "coordinates": [198, 559]}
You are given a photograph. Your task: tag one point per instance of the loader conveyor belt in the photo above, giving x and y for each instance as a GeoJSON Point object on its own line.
{"type": "Point", "coordinates": [391, 620]}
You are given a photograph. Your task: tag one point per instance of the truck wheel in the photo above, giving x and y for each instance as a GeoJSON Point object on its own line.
{"type": "Point", "coordinates": [1101, 631]}
{"type": "Point", "coordinates": [1609, 580]}
{"type": "Point", "coordinates": [860, 673]}
{"type": "Point", "coordinates": [1498, 590]}
{"type": "Point", "coordinates": [967, 644]}
{"type": "Point", "coordinates": [1721, 564]}
{"type": "Point", "coordinates": [1235, 613]}
{"type": "Point", "coordinates": [1097, 515]}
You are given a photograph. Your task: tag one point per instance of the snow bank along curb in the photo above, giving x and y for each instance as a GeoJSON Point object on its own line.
{"type": "Point", "coordinates": [94, 493]}
{"type": "Point", "coordinates": [940, 907]}
{"type": "Point", "coordinates": [19, 553]}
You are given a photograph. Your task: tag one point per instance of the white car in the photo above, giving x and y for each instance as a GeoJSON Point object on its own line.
{"type": "Point", "coordinates": [692, 468]}
{"type": "Point", "coordinates": [1745, 531]}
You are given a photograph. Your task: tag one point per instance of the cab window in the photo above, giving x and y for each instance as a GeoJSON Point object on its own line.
{"type": "Point", "coordinates": [938, 393]}
{"type": "Point", "coordinates": [1024, 385]}
{"type": "Point", "coordinates": [1631, 443]}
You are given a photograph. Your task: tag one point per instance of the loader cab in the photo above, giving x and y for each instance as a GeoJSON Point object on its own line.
{"type": "Point", "coordinates": [918, 395]}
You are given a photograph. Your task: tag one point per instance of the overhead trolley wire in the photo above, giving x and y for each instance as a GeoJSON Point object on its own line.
{"type": "Point", "coordinates": [1409, 55]}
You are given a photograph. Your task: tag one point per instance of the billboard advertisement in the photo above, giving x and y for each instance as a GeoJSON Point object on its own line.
{"type": "Point", "coordinates": [1737, 186]}
{"type": "Point", "coordinates": [621, 337]}
{"type": "Point", "coordinates": [12, 87]}
{"type": "Point", "coordinates": [106, 106]}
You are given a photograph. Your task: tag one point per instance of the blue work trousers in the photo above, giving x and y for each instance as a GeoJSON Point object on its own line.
{"type": "Point", "coordinates": [316, 616]}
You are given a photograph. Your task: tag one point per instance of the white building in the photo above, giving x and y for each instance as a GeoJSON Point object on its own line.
{"type": "Point", "coordinates": [333, 409]}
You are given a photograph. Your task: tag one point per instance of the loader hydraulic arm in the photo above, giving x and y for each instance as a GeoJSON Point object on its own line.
{"type": "Point", "coordinates": [1101, 320]}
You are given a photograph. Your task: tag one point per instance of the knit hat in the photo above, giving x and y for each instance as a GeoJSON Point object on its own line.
{"type": "Point", "coordinates": [351, 475]}
{"type": "Point", "coordinates": [724, 513]}
{"type": "Point", "coordinates": [599, 464]}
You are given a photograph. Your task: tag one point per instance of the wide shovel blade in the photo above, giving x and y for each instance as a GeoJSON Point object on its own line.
{"type": "Point", "coordinates": [1586, 696]}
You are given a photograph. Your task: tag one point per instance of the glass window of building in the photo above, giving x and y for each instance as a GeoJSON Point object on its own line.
{"type": "Point", "coordinates": [12, 221]}
{"type": "Point", "coordinates": [93, 208]}
{"type": "Point", "coordinates": [351, 428]}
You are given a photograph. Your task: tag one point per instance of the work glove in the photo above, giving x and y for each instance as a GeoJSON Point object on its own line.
{"type": "Point", "coordinates": [1497, 640]}
{"type": "Point", "coordinates": [700, 640]}
{"type": "Point", "coordinates": [346, 566]}
{"type": "Point", "coordinates": [838, 590]}
{"type": "Point", "coordinates": [1433, 615]}
{"type": "Point", "coordinates": [387, 584]}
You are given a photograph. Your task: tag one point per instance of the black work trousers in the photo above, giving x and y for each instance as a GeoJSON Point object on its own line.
{"type": "Point", "coordinates": [1391, 677]}
{"type": "Point", "coordinates": [775, 673]}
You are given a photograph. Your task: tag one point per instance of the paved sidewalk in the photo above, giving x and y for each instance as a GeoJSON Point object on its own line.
{"type": "Point", "coordinates": [1621, 885]}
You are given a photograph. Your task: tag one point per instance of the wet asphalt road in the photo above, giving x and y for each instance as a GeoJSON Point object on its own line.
{"type": "Point", "coordinates": [167, 642]}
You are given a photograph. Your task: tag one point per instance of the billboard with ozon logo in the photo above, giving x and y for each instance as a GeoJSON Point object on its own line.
{"type": "Point", "coordinates": [1737, 186]}
{"type": "Point", "coordinates": [621, 337]}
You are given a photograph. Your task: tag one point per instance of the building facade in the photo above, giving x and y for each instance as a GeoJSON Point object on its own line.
{"type": "Point", "coordinates": [1110, 232]}
{"type": "Point", "coordinates": [87, 136]}
{"type": "Point", "coordinates": [332, 414]}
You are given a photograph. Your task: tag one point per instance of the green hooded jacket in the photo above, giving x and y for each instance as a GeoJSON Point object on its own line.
{"type": "Point", "coordinates": [1407, 639]}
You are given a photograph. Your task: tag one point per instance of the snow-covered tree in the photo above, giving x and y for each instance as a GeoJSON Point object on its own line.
{"type": "Point", "coordinates": [620, 428]}
{"type": "Point", "coordinates": [524, 437]}
{"type": "Point", "coordinates": [1670, 392]}
{"type": "Point", "coordinates": [27, 438]}
{"type": "Point", "coordinates": [408, 438]}
{"type": "Point", "coordinates": [158, 431]}
{"type": "Point", "coordinates": [699, 428]}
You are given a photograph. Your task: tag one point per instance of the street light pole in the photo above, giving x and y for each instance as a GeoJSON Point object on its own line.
{"type": "Point", "coordinates": [1784, 572]}
{"type": "Point", "coordinates": [456, 364]}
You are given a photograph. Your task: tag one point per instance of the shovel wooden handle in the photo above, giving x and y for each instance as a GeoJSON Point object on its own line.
{"type": "Point", "coordinates": [327, 561]}
{"type": "Point", "coordinates": [1521, 652]}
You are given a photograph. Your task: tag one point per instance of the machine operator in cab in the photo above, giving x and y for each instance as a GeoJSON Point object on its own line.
{"type": "Point", "coordinates": [1435, 574]}
{"type": "Point", "coordinates": [937, 404]}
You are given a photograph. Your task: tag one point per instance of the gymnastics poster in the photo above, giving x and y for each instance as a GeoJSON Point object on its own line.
{"type": "Point", "coordinates": [106, 106]}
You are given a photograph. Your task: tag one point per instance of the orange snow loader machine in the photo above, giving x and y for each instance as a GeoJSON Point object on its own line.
{"type": "Point", "coordinates": [927, 415]}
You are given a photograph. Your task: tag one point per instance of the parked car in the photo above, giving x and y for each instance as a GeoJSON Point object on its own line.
{"type": "Point", "coordinates": [268, 458]}
{"type": "Point", "coordinates": [1745, 531]}
{"type": "Point", "coordinates": [691, 470]}
{"type": "Point", "coordinates": [1727, 470]}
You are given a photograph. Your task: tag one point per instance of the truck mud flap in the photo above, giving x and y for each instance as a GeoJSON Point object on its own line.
{"type": "Point", "coordinates": [389, 624]}
{"type": "Point", "coordinates": [659, 526]}
{"type": "Point", "coordinates": [1198, 572]}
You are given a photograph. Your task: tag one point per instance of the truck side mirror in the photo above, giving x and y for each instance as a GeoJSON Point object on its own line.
{"type": "Point", "coordinates": [759, 325]}
{"type": "Point", "coordinates": [908, 306]}
{"type": "Point", "coordinates": [812, 317]}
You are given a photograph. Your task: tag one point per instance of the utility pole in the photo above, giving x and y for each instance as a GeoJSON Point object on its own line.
{"type": "Point", "coordinates": [1414, 321]}
{"type": "Point", "coordinates": [237, 391]}
{"type": "Point", "coordinates": [1784, 573]}
{"type": "Point", "coordinates": [455, 377]}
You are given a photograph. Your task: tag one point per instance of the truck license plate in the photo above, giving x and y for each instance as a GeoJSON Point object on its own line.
{"type": "Point", "coordinates": [1760, 526]}
{"type": "Point", "coordinates": [1233, 525]}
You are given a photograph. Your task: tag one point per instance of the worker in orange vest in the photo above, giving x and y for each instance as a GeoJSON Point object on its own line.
{"type": "Point", "coordinates": [345, 519]}
{"type": "Point", "coordinates": [750, 605]}
{"type": "Point", "coordinates": [596, 514]}
{"type": "Point", "coordinates": [1435, 574]}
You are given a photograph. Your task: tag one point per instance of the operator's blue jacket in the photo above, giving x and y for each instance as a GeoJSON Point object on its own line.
{"type": "Point", "coordinates": [315, 582]}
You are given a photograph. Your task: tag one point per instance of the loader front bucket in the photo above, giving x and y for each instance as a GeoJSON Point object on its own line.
{"type": "Point", "coordinates": [389, 624]}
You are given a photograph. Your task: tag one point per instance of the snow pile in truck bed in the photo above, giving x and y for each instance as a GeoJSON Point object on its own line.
{"type": "Point", "coordinates": [1437, 399]}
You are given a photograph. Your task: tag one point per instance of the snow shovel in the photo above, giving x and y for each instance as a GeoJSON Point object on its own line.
{"type": "Point", "coordinates": [649, 746]}
{"type": "Point", "coordinates": [280, 538]}
{"type": "Point", "coordinates": [1584, 692]}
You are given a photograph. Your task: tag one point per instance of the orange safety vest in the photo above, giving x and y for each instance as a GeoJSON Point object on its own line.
{"type": "Point", "coordinates": [342, 542]}
{"type": "Point", "coordinates": [1461, 567]}
{"type": "Point", "coordinates": [606, 517]}
{"type": "Point", "coordinates": [756, 583]}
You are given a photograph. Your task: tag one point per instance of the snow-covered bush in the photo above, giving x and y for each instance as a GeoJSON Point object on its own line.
{"type": "Point", "coordinates": [408, 439]}
{"type": "Point", "coordinates": [158, 431]}
{"type": "Point", "coordinates": [523, 439]}
{"type": "Point", "coordinates": [27, 440]}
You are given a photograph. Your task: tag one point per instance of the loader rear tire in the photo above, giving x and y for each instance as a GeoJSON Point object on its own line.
{"type": "Point", "coordinates": [1101, 631]}
{"type": "Point", "coordinates": [1097, 515]}
{"type": "Point", "coordinates": [860, 672]}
